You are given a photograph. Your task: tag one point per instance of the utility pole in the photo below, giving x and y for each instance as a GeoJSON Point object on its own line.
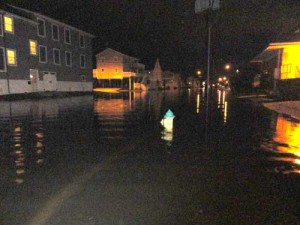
{"type": "Point", "coordinates": [207, 6]}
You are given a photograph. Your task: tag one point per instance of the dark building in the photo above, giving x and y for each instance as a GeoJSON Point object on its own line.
{"type": "Point", "coordinates": [38, 53]}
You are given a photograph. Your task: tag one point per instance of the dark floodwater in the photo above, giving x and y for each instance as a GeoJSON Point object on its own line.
{"type": "Point", "coordinates": [242, 167]}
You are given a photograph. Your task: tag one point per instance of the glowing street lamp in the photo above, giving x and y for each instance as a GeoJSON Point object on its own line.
{"type": "Point", "coordinates": [227, 67]}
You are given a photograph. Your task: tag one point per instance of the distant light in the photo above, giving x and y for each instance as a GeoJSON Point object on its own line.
{"type": "Point", "coordinates": [237, 71]}
{"type": "Point", "coordinates": [227, 66]}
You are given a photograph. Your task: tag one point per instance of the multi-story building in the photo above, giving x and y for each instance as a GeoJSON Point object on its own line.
{"type": "Point", "coordinates": [38, 53]}
{"type": "Point", "coordinates": [115, 69]}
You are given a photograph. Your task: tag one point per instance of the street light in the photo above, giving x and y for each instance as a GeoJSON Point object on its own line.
{"type": "Point", "coordinates": [227, 67]}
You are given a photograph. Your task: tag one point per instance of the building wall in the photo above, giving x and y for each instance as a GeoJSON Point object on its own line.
{"type": "Point", "coordinates": [19, 41]}
{"type": "Point", "coordinates": [74, 77]}
{"type": "Point", "coordinates": [109, 65]}
{"type": "Point", "coordinates": [290, 66]}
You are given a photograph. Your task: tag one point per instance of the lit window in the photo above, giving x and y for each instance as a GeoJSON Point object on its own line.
{"type": "Point", "coordinates": [81, 41]}
{"type": "Point", "coordinates": [2, 60]}
{"type": "Point", "coordinates": [55, 32]}
{"type": "Point", "coordinates": [67, 36]}
{"type": "Point", "coordinates": [68, 57]}
{"type": "Point", "coordinates": [41, 28]}
{"type": "Point", "coordinates": [43, 54]}
{"type": "Point", "coordinates": [56, 56]}
{"type": "Point", "coordinates": [33, 47]}
{"type": "Point", "coordinates": [11, 57]}
{"type": "Point", "coordinates": [1, 26]}
{"type": "Point", "coordinates": [8, 24]}
{"type": "Point", "coordinates": [82, 61]}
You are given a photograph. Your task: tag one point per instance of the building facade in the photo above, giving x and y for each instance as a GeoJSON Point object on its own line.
{"type": "Point", "coordinates": [281, 61]}
{"type": "Point", "coordinates": [157, 79]}
{"type": "Point", "coordinates": [38, 53]}
{"type": "Point", "coordinates": [115, 69]}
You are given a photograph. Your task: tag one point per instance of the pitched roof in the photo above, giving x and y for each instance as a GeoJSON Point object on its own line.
{"type": "Point", "coordinates": [112, 50]}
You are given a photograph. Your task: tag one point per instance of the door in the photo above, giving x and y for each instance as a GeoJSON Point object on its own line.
{"type": "Point", "coordinates": [34, 76]}
{"type": "Point", "coordinates": [50, 81]}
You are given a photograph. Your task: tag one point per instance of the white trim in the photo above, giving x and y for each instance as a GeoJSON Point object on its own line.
{"type": "Point", "coordinates": [12, 24]}
{"type": "Point", "coordinates": [70, 58]}
{"type": "Point", "coordinates": [4, 60]}
{"type": "Point", "coordinates": [22, 86]}
{"type": "Point", "coordinates": [67, 29]}
{"type": "Point", "coordinates": [36, 47]}
{"type": "Point", "coordinates": [39, 19]}
{"type": "Point", "coordinates": [55, 25]}
{"type": "Point", "coordinates": [82, 67]}
{"type": "Point", "coordinates": [46, 56]}
{"type": "Point", "coordinates": [14, 50]}
{"type": "Point", "coordinates": [1, 26]}
{"type": "Point", "coordinates": [56, 49]}
{"type": "Point", "coordinates": [81, 35]}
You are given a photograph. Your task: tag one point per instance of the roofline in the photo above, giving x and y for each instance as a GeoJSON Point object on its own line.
{"type": "Point", "coordinates": [285, 43]}
{"type": "Point", "coordinates": [56, 21]}
{"type": "Point", "coordinates": [118, 52]}
{"type": "Point", "coordinates": [17, 16]}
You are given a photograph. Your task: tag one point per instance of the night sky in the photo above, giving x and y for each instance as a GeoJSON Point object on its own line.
{"type": "Point", "coordinates": [171, 31]}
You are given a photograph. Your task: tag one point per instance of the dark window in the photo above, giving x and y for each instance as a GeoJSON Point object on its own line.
{"type": "Point", "coordinates": [56, 56]}
{"type": "Point", "coordinates": [81, 41]}
{"type": "Point", "coordinates": [1, 26]}
{"type": "Point", "coordinates": [2, 60]}
{"type": "Point", "coordinates": [82, 61]}
{"type": "Point", "coordinates": [43, 54]}
{"type": "Point", "coordinates": [55, 32]}
{"type": "Point", "coordinates": [68, 59]}
{"type": "Point", "coordinates": [41, 28]}
{"type": "Point", "coordinates": [67, 36]}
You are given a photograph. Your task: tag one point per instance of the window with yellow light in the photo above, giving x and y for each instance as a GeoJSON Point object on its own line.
{"type": "Point", "coordinates": [8, 24]}
{"type": "Point", "coordinates": [11, 57]}
{"type": "Point", "coordinates": [33, 47]}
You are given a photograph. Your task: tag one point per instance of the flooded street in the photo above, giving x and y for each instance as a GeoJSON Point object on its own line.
{"type": "Point", "coordinates": [109, 159]}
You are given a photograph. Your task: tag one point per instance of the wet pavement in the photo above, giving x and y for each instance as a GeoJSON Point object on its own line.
{"type": "Point", "coordinates": [106, 159]}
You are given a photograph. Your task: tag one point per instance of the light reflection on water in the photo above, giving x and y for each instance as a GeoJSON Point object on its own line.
{"type": "Point", "coordinates": [22, 133]}
{"type": "Point", "coordinates": [285, 143]}
{"type": "Point", "coordinates": [30, 131]}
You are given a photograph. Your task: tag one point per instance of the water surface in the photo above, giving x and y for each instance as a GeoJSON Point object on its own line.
{"type": "Point", "coordinates": [107, 159]}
